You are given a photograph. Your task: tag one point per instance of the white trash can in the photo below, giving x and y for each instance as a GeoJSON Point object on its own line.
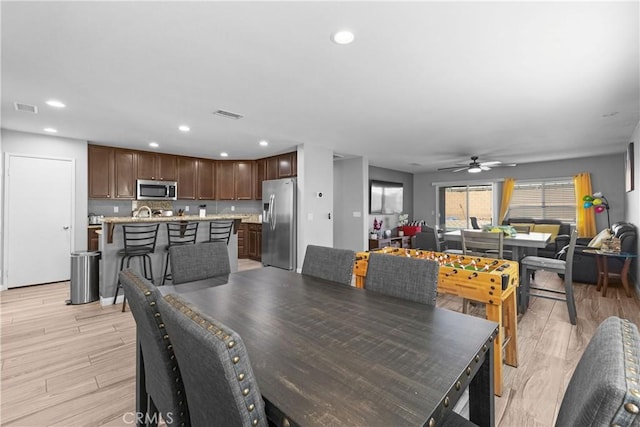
{"type": "Point", "coordinates": [85, 269]}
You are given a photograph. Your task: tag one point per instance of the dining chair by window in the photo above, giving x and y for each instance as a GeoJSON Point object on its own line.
{"type": "Point", "coordinates": [603, 389]}
{"type": "Point", "coordinates": [479, 242]}
{"type": "Point", "coordinates": [200, 261]}
{"type": "Point", "coordinates": [474, 223]}
{"type": "Point", "coordinates": [162, 377]}
{"type": "Point", "coordinates": [223, 391]}
{"type": "Point", "coordinates": [329, 263]}
{"type": "Point", "coordinates": [220, 230]}
{"type": "Point", "coordinates": [139, 242]}
{"type": "Point", "coordinates": [530, 264]}
{"type": "Point", "coordinates": [178, 233]}
{"type": "Point", "coordinates": [427, 240]}
{"type": "Point", "coordinates": [412, 279]}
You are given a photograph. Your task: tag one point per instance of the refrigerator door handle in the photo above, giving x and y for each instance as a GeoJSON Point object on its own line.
{"type": "Point", "coordinates": [273, 212]}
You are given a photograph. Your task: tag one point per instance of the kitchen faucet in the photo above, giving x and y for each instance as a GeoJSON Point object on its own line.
{"type": "Point", "coordinates": [137, 212]}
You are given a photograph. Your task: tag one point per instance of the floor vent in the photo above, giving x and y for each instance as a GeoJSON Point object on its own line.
{"type": "Point", "coordinates": [26, 108]}
{"type": "Point", "coordinates": [228, 114]}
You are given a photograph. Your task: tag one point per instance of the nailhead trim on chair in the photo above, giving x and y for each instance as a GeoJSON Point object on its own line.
{"type": "Point", "coordinates": [629, 409]}
{"type": "Point", "coordinates": [225, 336]}
{"type": "Point", "coordinates": [144, 288]}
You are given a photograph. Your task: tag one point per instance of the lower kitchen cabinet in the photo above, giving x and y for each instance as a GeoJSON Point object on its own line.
{"type": "Point", "coordinates": [255, 242]}
{"type": "Point", "coordinates": [93, 238]}
{"type": "Point", "coordinates": [243, 249]}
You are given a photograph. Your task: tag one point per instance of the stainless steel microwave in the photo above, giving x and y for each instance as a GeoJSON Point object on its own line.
{"type": "Point", "coordinates": [156, 190]}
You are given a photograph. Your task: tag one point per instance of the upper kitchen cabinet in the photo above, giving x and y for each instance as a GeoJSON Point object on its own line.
{"type": "Point", "coordinates": [187, 178]}
{"type": "Point", "coordinates": [111, 173]}
{"type": "Point", "coordinates": [206, 179]}
{"type": "Point", "coordinates": [155, 166]}
{"type": "Point", "coordinates": [234, 180]}
{"type": "Point", "coordinates": [260, 174]}
{"type": "Point", "coordinates": [285, 165]}
{"type": "Point", "coordinates": [100, 172]}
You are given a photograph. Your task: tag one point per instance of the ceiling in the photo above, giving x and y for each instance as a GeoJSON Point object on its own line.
{"type": "Point", "coordinates": [423, 86]}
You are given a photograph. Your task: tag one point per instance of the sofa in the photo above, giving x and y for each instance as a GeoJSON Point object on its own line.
{"type": "Point", "coordinates": [584, 264]}
{"type": "Point", "coordinates": [560, 233]}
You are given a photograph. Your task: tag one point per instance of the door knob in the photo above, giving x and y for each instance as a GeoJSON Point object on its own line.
{"type": "Point", "coordinates": [65, 227]}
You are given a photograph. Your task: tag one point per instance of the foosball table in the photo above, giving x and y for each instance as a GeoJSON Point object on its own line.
{"type": "Point", "coordinates": [487, 280]}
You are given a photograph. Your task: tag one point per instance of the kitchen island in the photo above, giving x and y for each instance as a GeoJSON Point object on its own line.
{"type": "Point", "coordinates": [111, 241]}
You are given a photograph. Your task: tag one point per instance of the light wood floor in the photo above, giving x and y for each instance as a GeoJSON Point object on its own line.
{"type": "Point", "coordinates": [75, 365]}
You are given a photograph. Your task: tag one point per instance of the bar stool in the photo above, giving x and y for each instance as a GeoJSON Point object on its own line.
{"type": "Point", "coordinates": [220, 230]}
{"type": "Point", "coordinates": [178, 233]}
{"type": "Point", "coordinates": [139, 241]}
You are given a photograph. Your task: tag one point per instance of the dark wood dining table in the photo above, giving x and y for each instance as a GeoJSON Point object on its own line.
{"type": "Point", "coordinates": [330, 354]}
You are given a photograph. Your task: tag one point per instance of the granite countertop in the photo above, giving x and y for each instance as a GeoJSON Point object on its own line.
{"type": "Point", "coordinates": [248, 218]}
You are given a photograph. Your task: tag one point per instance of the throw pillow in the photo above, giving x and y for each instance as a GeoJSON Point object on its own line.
{"type": "Point", "coordinates": [547, 228]}
{"type": "Point", "coordinates": [596, 242]}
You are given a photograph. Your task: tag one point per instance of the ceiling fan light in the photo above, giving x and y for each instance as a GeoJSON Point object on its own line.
{"type": "Point", "coordinates": [475, 169]}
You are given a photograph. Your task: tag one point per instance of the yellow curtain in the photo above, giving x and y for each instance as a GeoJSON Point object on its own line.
{"type": "Point", "coordinates": [586, 218]}
{"type": "Point", "coordinates": [507, 192]}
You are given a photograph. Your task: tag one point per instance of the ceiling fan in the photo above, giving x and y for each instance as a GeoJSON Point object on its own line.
{"type": "Point", "coordinates": [475, 166]}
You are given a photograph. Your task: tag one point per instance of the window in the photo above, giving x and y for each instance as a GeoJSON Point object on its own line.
{"type": "Point", "coordinates": [461, 202]}
{"type": "Point", "coordinates": [552, 199]}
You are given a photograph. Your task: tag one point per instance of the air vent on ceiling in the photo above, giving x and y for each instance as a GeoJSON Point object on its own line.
{"type": "Point", "coordinates": [26, 108]}
{"type": "Point", "coordinates": [228, 114]}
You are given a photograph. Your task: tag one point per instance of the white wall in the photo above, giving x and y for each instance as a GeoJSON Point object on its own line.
{"type": "Point", "coordinates": [315, 174]}
{"type": "Point", "coordinates": [350, 184]}
{"type": "Point", "coordinates": [50, 146]}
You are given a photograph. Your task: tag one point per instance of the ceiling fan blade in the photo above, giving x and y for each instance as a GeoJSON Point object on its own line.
{"type": "Point", "coordinates": [460, 169]}
{"type": "Point", "coordinates": [484, 167]}
{"type": "Point", "coordinates": [502, 165]}
{"type": "Point", "coordinates": [492, 163]}
{"type": "Point", "coordinates": [452, 168]}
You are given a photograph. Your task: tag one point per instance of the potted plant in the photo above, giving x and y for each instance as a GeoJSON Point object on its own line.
{"type": "Point", "coordinates": [403, 219]}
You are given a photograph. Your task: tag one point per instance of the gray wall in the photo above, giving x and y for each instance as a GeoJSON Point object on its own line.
{"type": "Point", "coordinates": [607, 175]}
{"type": "Point", "coordinates": [51, 146]}
{"type": "Point", "coordinates": [407, 179]}
{"type": "Point", "coordinates": [350, 204]}
{"type": "Point", "coordinates": [632, 198]}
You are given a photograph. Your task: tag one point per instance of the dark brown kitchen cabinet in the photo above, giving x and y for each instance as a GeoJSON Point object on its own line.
{"type": "Point", "coordinates": [206, 179]}
{"type": "Point", "coordinates": [187, 178]}
{"type": "Point", "coordinates": [155, 166]}
{"type": "Point", "coordinates": [260, 174]}
{"type": "Point", "coordinates": [255, 242]}
{"type": "Point", "coordinates": [111, 173]}
{"type": "Point", "coordinates": [243, 180]}
{"type": "Point", "coordinates": [93, 239]}
{"type": "Point", "coordinates": [100, 172]}
{"type": "Point", "coordinates": [124, 174]}
{"type": "Point", "coordinates": [272, 167]}
{"type": "Point", "coordinates": [285, 165]}
{"type": "Point", "coordinates": [234, 180]}
{"type": "Point", "coordinates": [243, 250]}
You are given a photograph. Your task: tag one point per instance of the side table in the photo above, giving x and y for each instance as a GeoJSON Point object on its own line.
{"type": "Point", "coordinates": [603, 269]}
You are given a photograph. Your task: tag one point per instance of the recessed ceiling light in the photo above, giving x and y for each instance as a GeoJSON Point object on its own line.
{"type": "Point", "coordinates": [51, 130]}
{"type": "Point", "coordinates": [154, 144]}
{"type": "Point", "coordinates": [55, 103]}
{"type": "Point", "coordinates": [184, 128]}
{"type": "Point", "coordinates": [343, 37]}
{"type": "Point", "coordinates": [223, 154]}
{"type": "Point", "coordinates": [264, 143]}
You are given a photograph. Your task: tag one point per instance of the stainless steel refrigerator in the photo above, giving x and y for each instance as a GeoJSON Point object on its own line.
{"type": "Point", "coordinates": [279, 223]}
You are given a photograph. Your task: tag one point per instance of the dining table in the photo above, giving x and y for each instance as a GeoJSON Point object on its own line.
{"type": "Point", "coordinates": [521, 244]}
{"type": "Point", "coordinates": [325, 353]}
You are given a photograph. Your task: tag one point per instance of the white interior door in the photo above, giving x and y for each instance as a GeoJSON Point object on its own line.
{"type": "Point", "coordinates": [38, 219]}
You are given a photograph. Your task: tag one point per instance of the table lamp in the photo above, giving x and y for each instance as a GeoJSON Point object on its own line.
{"type": "Point", "coordinates": [599, 203]}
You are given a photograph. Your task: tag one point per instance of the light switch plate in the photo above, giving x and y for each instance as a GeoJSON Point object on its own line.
{"type": "Point", "coordinates": [116, 209]}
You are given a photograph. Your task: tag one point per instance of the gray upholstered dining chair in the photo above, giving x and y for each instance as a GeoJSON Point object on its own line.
{"type": "Point", "coordinates": [529, 264]}
{"type": "Point", "coordinates": [402, 277]}
{"type": "Point", "coordinates": [215, 366]}
{"type": "Point", "coordinates": [162, 377]}
{"type": "Point", "coordinates": [603, 390]}
{"type": "Point", "coordinates": [200, 261]}
{"type": "Point", "coordinates": [427, 240]}
{"type": "Point", "coordinates": [329, 263]}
